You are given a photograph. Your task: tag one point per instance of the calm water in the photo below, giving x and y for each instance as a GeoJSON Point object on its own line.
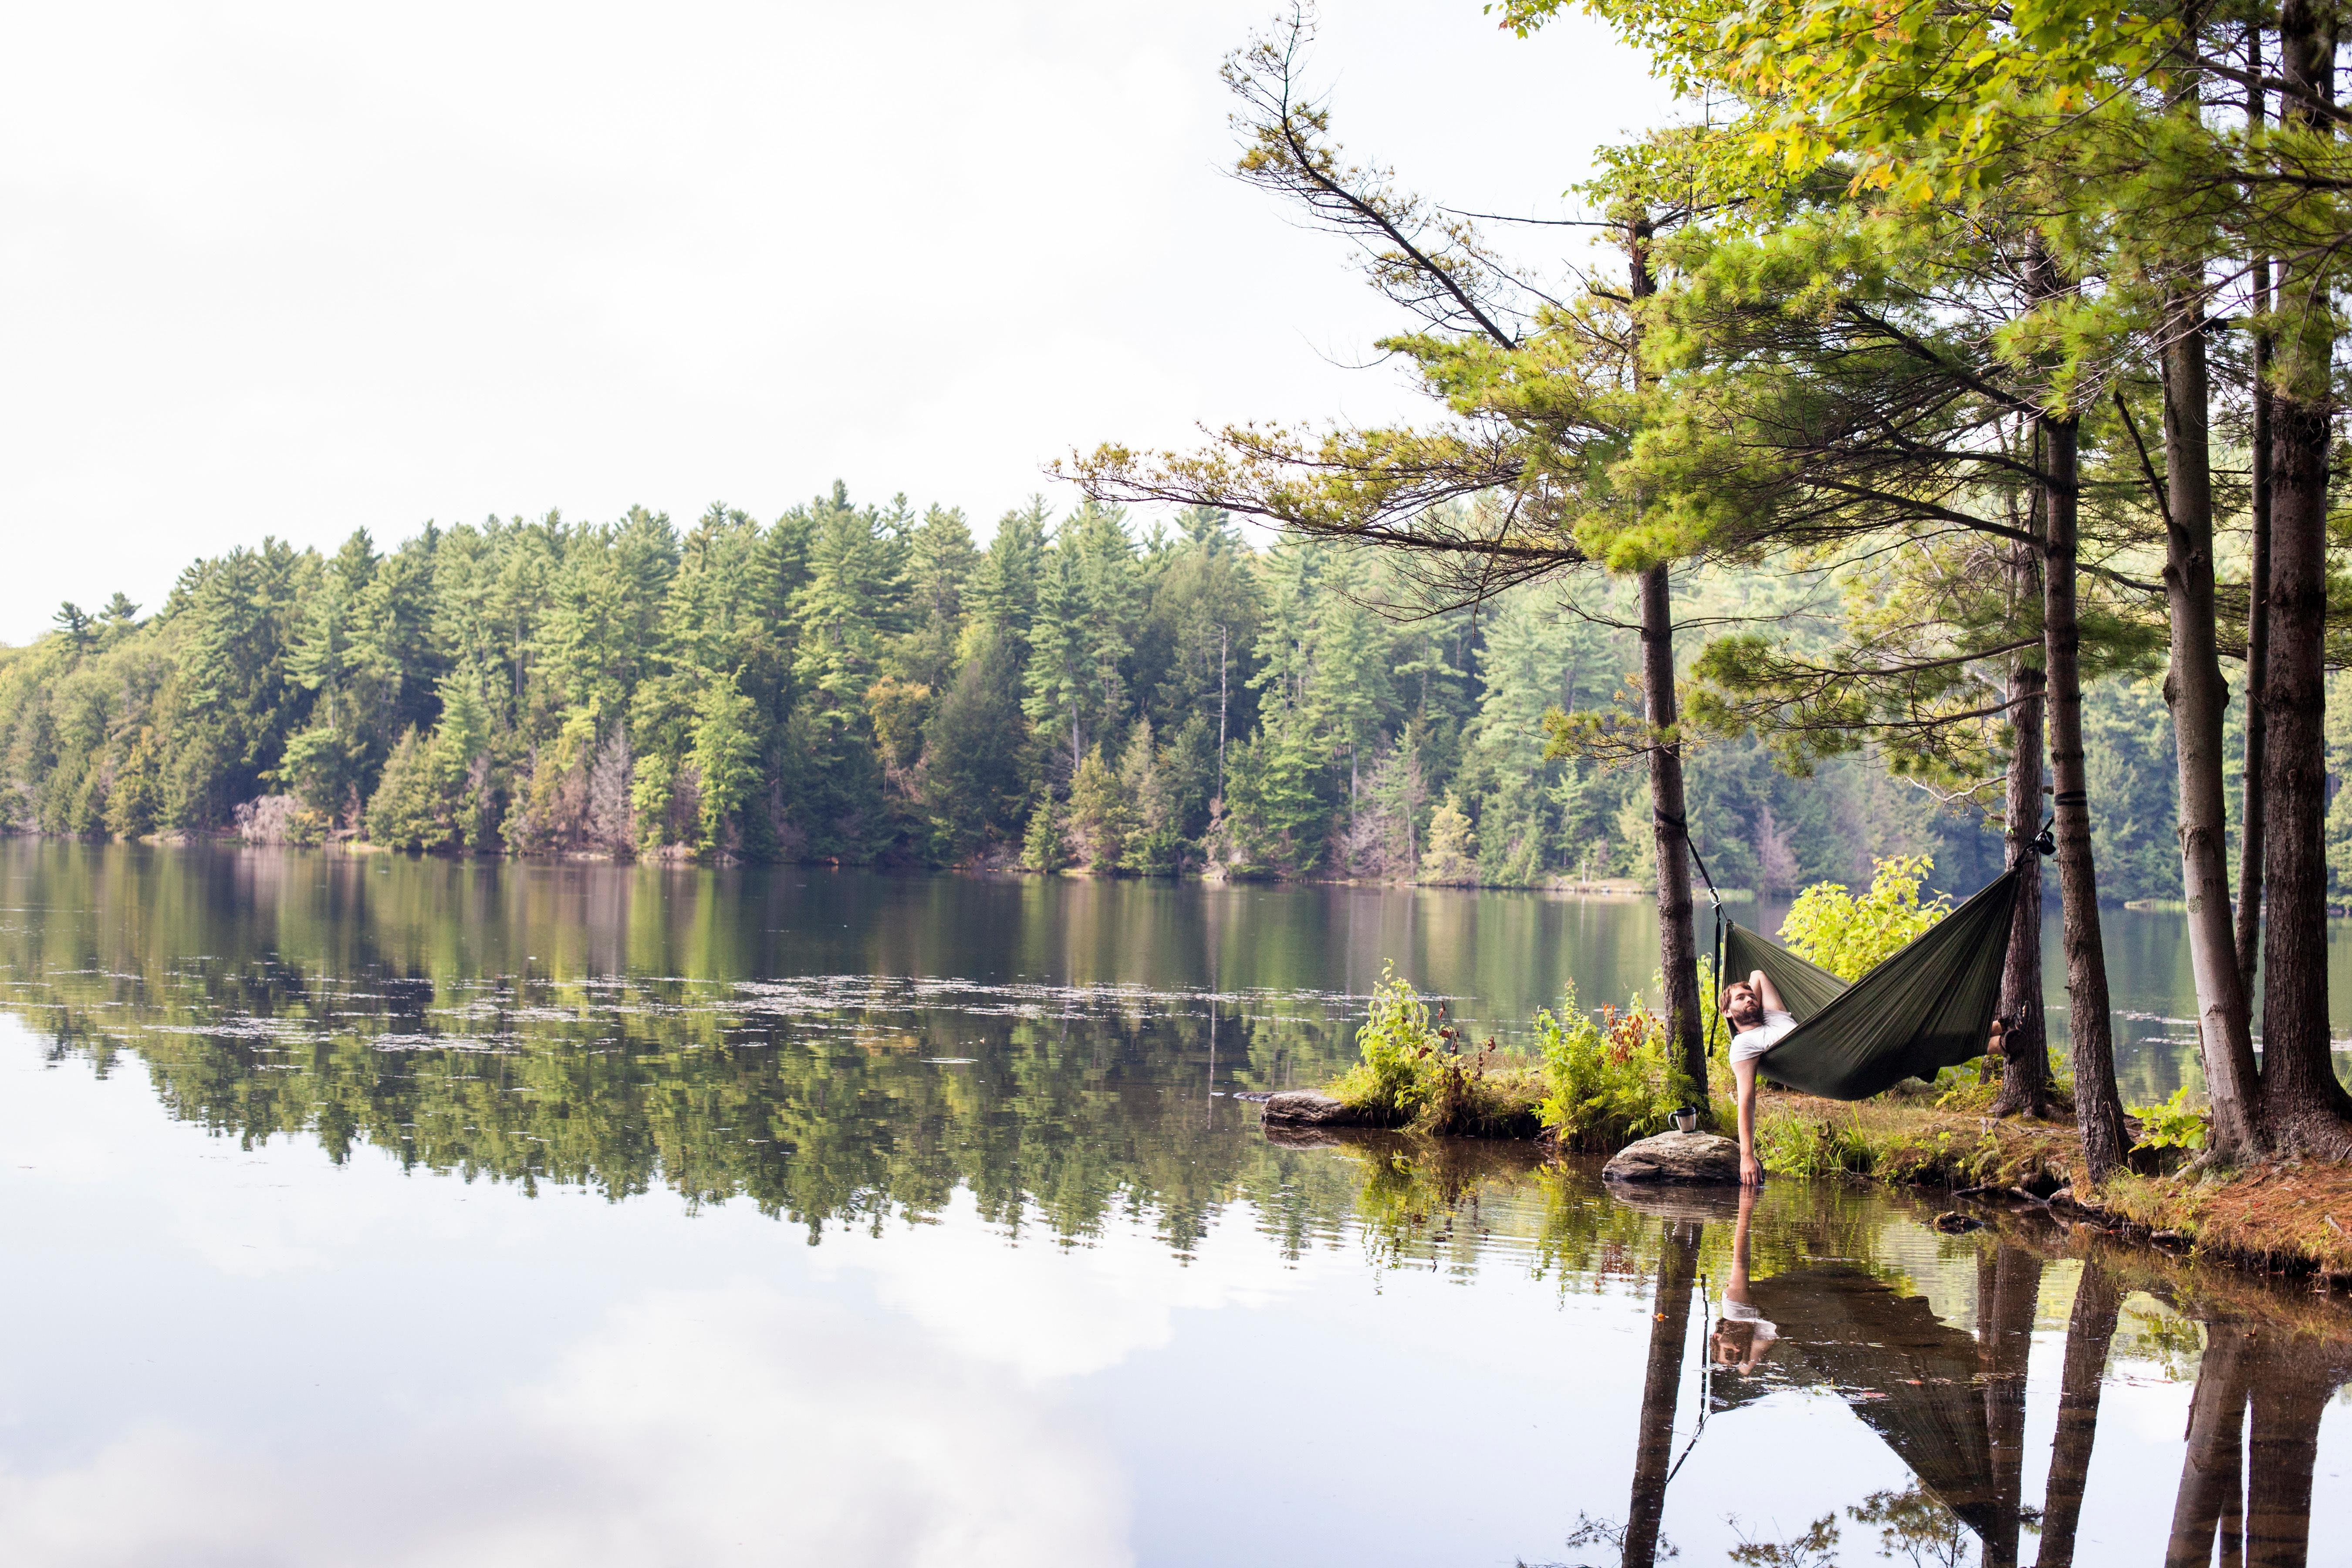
{"type": "Point", "coordinates": [373, 1211]}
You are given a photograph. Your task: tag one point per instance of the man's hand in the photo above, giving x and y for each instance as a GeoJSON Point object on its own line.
{"type": "Point", "coordinates": [1751, 1173]}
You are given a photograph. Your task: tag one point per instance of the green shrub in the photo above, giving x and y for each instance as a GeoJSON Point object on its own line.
{"type": "Point", "coordinates": [1851, 936]}
{"type": "Point", "coordinates": [1415, 1071]}
{"type": "Point", "coordinates": [1396, 1077]}
{"type": "Point", "coordinates": [2175, 1124]}
{"type": "Point", "coordinates": [1608, 1081]}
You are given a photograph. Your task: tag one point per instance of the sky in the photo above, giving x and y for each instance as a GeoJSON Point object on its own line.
{"type": "Point", "coordinates": [296, 269]}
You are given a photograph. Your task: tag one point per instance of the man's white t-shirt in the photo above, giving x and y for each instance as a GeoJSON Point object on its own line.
{"type": "Point", "coordinates": [1749, 1044]}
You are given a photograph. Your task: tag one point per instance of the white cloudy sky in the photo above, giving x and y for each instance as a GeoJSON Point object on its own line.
{"type": "Point", "coordinates": [292, 268]}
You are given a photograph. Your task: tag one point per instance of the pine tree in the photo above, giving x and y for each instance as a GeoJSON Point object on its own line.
{"type": "Point", "coordinates": [1451, 860]}
{"type": "Point", "coordinates": [1102, 818]}
{"type": "Point", "coordinates": [1044, 848]}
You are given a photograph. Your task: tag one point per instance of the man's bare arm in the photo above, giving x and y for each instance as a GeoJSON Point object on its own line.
{"type": "Point", "coordinates": [1767, 993]}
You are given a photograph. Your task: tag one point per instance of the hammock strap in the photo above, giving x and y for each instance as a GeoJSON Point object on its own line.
{"type": "Point", "coordinates": [1682, 826]}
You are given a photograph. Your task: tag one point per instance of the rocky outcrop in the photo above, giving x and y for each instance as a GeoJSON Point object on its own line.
{"type": "Point", "coordinates": [1302, 1108]}
{"type": "Point", "coordinates": [1676, 1157]}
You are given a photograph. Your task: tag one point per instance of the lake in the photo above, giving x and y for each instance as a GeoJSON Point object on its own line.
{"type": "Point", "coordinates": [375, 1211]}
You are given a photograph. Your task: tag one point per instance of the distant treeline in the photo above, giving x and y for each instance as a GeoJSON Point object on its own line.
{"type": "Point", "coordinates": [866, 684]}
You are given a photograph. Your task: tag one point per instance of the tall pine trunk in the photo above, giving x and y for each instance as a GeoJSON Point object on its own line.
{"type": "Point", "coordinates": [2090, 1330]}
{"type": "Point", "coordinates": [2303, 1106]}
{"type": "Point", "coordinates": [2194, 691]}
{"type": "Point", "coordinates": [1677, 935]}
{"type": "Point", "coordinates": [2210, 1475]}
{"type": "Point", "coordinates": [2258, 586]}
{"type": "Point", "coordinates": [2025, 1064]}
{"type": "Point", "coordinates": [2090, 1027]}
{"type": "Point", "coordinates": [1662, 1380]}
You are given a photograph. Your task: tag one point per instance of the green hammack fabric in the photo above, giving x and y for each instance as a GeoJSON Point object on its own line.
{"type": "Point", "coordinates": [1928, 1007]}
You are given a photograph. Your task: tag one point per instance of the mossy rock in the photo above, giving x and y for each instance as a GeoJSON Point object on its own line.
{"type": "Point", "coordinates": [1676, 1157]}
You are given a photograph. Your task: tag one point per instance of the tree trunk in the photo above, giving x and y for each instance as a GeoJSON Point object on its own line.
{"type": "Point", "coordinates": [2209, 1470]}
{"type": "Point", "coordinates": [2258, 587]}
{"type": "Point", "coordinates": [2025, 1062]}
{"type": "Point", "coordinates": [2303, 1107]}
{"type": "Point", "coordinates": [2293, 1379]}
{"type": "Point", "coordinates": [2194, 691]}
{"type": "Point", "coordinates": [2098, 1108]}
{"type": "Point", "coordinates": [1677, 935]}
{"type": "Point", "coordinates": [2008, 1286]}
{"type": "Point", "coordinates": [2089, 1332]}
{"type": "Point", "coordinates": [1662, 1382]}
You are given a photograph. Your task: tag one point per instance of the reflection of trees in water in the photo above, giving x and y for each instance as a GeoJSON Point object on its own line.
{"type": "Point", "coordinates": [2254, 1444]}
{"type": "Point", "coordinates": [1662, 1382]}
{"type": "Point", "coordinates": [1060, 1121]}
{"type": "Point", "coordinates": [1951, 1403]}
{"type": "Point", "coordinates": [812, 1100]}
{"type": "Point", "coordinates": [2090, 1334]}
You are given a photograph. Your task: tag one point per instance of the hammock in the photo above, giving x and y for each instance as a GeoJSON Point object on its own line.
{"type": "Point", "coordinates": [1912, 1378]}
{"type": "Point", "coordinates": [1927, 1008]}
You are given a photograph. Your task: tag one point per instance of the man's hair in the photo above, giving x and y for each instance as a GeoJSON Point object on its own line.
{"type": "Point", "coordinates": [1735, 1336]}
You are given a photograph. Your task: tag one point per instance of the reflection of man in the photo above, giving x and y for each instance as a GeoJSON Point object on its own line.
{"type": "Point", "coordinates": [1758, 1018]}
{"type": "Point", "coordinates": [1743, 1336]}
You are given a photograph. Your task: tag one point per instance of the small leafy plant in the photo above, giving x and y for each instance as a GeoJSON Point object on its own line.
{"type": "Point", "coordinates": [1395, 1077]}
{"type": "Point", "coordinates": [1813, 1146]}
{"type": "Point", "coordinates": [1418, 1070]}
{"type": "Point", "coordinates": [1609, 1079]}
{"type": "Point", "coordinates": [2175, 1124]}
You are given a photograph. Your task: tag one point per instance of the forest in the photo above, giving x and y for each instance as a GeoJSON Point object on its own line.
{"type": "Point", "coordinates": [866, 684]}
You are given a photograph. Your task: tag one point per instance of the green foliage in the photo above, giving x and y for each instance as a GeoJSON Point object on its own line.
{"type": "Point", "coordinates": [1815, 1546]}
{"type": "Point", "coordinates": [2175, 1124]}
{"type": "Point", "coordinates": [849, 681]}
{"type": "Point", "coordinates": [1609, 1080]}
{"type": "Point", "coordinates": [1045, 846]}
{"type": "Point", "coordinates": [1826, 1146]}
{"type": "Point", "coordinates": [1416, 1071]}
{"type": "Point", "coordinates": [1101, 819]}
{"type": "Point", "coordinates": [1452, 843]}
{"type": "Point", "coordinates": [1399, 1042]}
{"type": "Point", "coordinates": [1915, 1522]}
{"type": "Point", "coordinates": [1849, 935]}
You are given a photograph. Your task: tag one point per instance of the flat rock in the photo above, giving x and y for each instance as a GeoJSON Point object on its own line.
{"type": "Point", "coordinates": [1305, 1108]}
{"type": "Point", "coordinates": [1676, 1157]}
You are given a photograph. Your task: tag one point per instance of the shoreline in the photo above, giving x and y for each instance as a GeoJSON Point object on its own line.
{"type": "Point", "coordinates": [2282, 1216]}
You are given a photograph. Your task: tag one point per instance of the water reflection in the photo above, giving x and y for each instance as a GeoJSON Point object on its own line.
{"type": "Point", "coordinates": [519, 1136]}
{"type": "Point", "coordinates": [1831, 1314]}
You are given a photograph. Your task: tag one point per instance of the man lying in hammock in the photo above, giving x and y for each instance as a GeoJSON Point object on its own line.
{"type": "Point", "coordinates": [1758, 1020]}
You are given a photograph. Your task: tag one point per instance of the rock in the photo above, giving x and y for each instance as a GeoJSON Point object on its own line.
{"type": "Point", "coordinates": [1676, 1157]}
{"type": "Point", "coordinates": [1305, 1108]}
{"type": "Point", "coordinates": [1954, 1223]}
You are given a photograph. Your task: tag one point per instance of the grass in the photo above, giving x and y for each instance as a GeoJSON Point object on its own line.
{"type": "Point", "coordinates": [1916, 1143]}
{"type": "Point", "coordinates": [2283, 1216]}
